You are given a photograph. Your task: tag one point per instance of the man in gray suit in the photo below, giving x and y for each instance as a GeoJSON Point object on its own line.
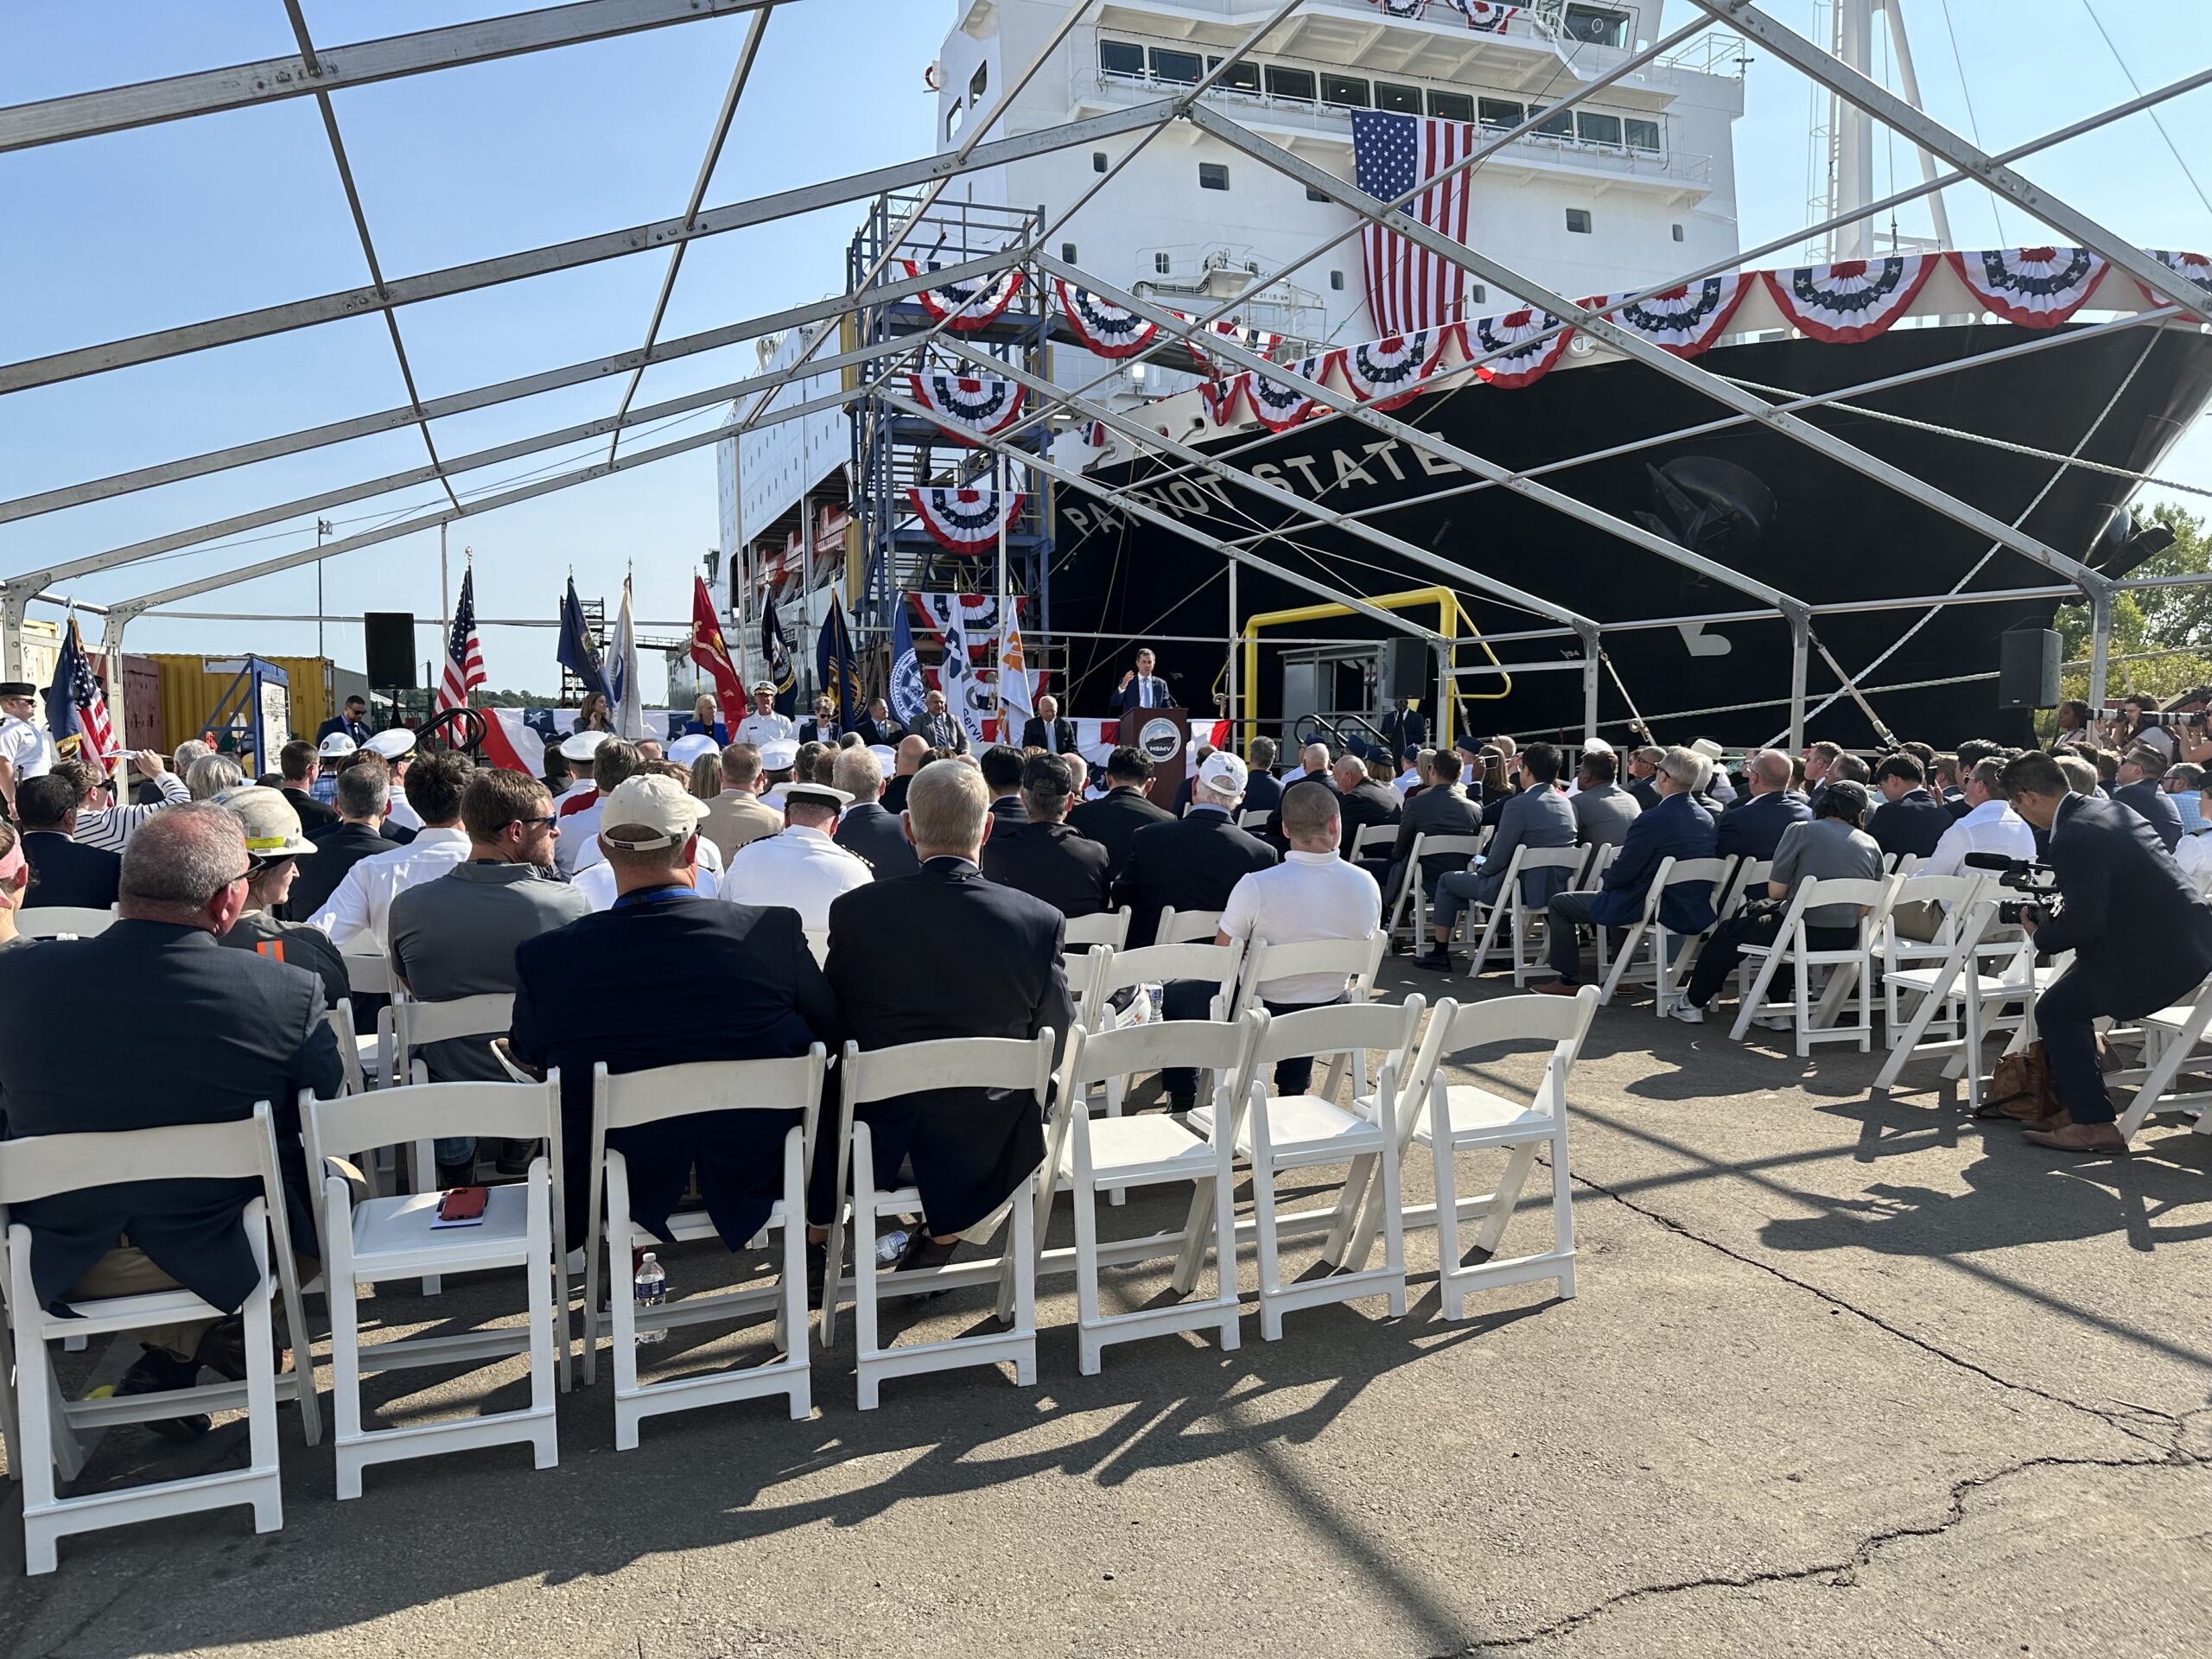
{"type": "Point", "coordinates": [1442, 809]}
{"type": "Point", "coordinates": [865, 828]}
{"type": "Point", "coordinates": [1539, 817]}
{"type": "Point", "coordinates": [1603, 810]}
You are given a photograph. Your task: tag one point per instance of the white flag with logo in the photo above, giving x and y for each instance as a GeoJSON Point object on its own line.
{"type": "Point", "coordinates": [1014, 689]}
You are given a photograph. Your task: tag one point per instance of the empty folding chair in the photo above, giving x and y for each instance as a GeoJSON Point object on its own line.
{"type": "Point", "coordinates": [2172, 1039]}
{"type": "Point", "coordinates": [1186, 927]}
{"type": "Point", "coordinates": [1085, 1158]}
{"type": "Point", "coordinates": [44, 1166]}
{"type": "Point", "coordinates": [1873, 897]}
{"type": "Point", "coordinates": [636, 1098]}
{"type": "Point", "coordinates": [62, 922]}
{"type": "Point", "coordinates": [1087, 970]}
{"type": "Point", "coordinates": [889, 1074]}
{"type": "Point", "coordinates": [415, 1025]}
{"type": "Point", "coordinates": [1955, 895]}
{"type": "Point", "coordinates": [1105, 927]}
{"type": "Point", "coordinates": [1373, 841]}
{"type": "Point", "coordinates": [1276, 1134]}
{"type": "Point", "coordinates": [380, 1240]}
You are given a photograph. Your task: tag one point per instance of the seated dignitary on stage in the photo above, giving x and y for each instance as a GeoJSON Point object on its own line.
{"type": "Point", "coordinates": [877, 728]}
{"type": "Point", "coordinates": [1677, 828]}
{"type": "Point", "coordinates": [939, 727]}
{"type": "Point", "coordinates": [275, 844]}
{"type": "Point", "coordinates": [1116, 815]}
{"type": "Point", "coordinates": [1039, 854]}
{"type": "Point", "coordinates": [867, 828]}
{"type": "Point", "coordinates": [1440, 808]}
{"type": "Point", "coordinates": [666, 978]}
{"type": "Point", "coordinates": [2141, 935]}
{"type": "Point", "coordinates": [1830, 847]}
{"type": "Point", "coordinates": [220, 1030]}
{"type": "Point", "coordinates": [1047, 730]}
{"type": "Point", "coordinates": [360, 909]}
{"type": "Point", "coordinates": [993, 971]}
{"type": "Point", "coordinates": [1603, 810]}
{"type": "Point", "coordinates": [456, 936]}
{"type": "Point", "coordinates": [1191, 863]}
{"type": "Point", "coordinates": [1753, 826]}
{"type": "Point", "coordinates": [1910, 819]}
{"type": "Point", "coordinates": [762, 723]}
{"type": "Point", "coordinates": [1539, 817]}
{"type": "Point", "coordinates": [64, 872]}
{"type": "Point", "coordinates": [804, 867]}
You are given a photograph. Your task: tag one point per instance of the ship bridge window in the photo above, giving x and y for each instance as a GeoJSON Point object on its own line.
{"type": "Point", "coordinates": [952, 120]}
{"type": "Point", "coordinates": [1406, 100]}
{"type": "Point", "coordinates": [1213, 175]}
{"type": "Point", "coordinates": [1577, 221]}
{"type": "Point", "coordinates": [1337, 282]}
{"type": "Point", "coordinates": [1239, 77]}
{"type": "Point", "coordinates": [1175, 65]}
{"type": "Point", "coordinates": [1598, 25]}
{"type": "Point", "coordinates": [1596, 129]}
{"type": "Point", "coordinates": [1500, 111]}
{"type": "Point", "coordinates": [1161, 263]}
{"type": "Point", "coordinates": [1643, 135]}
{"type": "Point", "coordinates": [1451, 106]}
{"type": "Point", "coordinates": [1290, 83]}
{"type": "Point", "coordinates": [981, 80]}
{"type": "Point", "coordinates": [1558, 124]}
{"type": "Point", "coordinates": [1121, 57]}
{"type": "Point", "coordinates": [1348, 92]}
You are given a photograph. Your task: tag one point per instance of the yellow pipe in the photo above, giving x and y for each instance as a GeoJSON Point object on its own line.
{"type": "Point", "coordinates": [1450, 615]}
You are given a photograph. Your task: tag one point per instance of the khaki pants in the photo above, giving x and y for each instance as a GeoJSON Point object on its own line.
{"type": "Point", "coordinates": [126, 1270]}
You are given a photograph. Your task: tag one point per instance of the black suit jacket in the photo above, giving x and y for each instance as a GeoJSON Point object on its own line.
{"type": "Point", "coordinates": [1050, 862]}
{"type": "Point", "coordinates": [1125, 696]}
{"type": "Point", "coordinates": [1262, 793]}
{"type": "Point", "coordinates": [996, 973]}
{"type": "Point", "coordinates": [2140, 932]}
{"type": "Point", "coordinates": [1366, 804]}
{"type": "Point", "coordinates": [888, 732]}
{"type": "Point", "coordinates": [338, 848]}
{"type": "Point", "coordinates": [1646, 790]}
{"type": "Point", "coordinates": [209, 1032]}
{"type": "Point", "coordinates": [1190, 864]}
{"type": "Point", "coordinates": [1752, 828]}
{"type": "Point", "coordinates": [1403, 729]}
{"type": "Point", "coordinates": [894, 793]}
{"type": "Point", "coordinates": [666, 981]}
{"type": "Point", "coordinates": [812, 731]}
{"type": "Point", "coordinates": [314, 815]}
{"type": "Point", "coordinates": [1431, 812]}
{"type": "Point", "coordinates": [876, 836]}
{"type": "Point", "coordinates": [1060, 740]}
{"type": "Point", "coordinates": [1114, 819]}
{"type": "Point", "coordinates": [2155, 807]}
{"type": "Point", "coordinates": [1009, 809]}
{"type": "Point", "coordinates": [63, 872]}
{"type": "Point", "coordinates": [1913, 822]}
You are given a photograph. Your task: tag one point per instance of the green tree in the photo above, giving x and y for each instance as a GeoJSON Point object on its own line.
{"type": "Point", "coordinates": [2153, 619]}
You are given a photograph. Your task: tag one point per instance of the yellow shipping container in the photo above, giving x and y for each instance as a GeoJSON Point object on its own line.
{"type": "Point", "coordinates": [189, 693]}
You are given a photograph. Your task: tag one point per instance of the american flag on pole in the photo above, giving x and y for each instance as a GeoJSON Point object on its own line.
{"type": "Point", "coordinates": [76, 706]}
{"type": "Point", "coordinates": [464, 654]}
{"type": "Point", "coordinates": [1407, 287]}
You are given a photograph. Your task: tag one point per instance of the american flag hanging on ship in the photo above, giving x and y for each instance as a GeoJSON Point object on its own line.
{"type": "Point", "coordinates": [1407, 287]}
{"type": "Point", "coordinates": [464, 654]}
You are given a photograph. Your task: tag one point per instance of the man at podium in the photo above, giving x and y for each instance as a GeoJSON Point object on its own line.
{"type": "Point", "coordinates": [1139, 688]}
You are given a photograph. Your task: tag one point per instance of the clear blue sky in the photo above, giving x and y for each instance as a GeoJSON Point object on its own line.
{"type": "Point", "coordinates": [114, 235]}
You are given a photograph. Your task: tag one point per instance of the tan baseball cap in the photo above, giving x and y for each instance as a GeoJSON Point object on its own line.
{"type": "Point", "coordinates": [655, 803]}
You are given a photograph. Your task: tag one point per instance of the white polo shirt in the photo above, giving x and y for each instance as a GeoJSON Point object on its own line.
{"type": "Point", "coordinates": [801, 869]}
{"type": "Point", "coordinates": [362, 905]}
{"type": "Point", "coordinates": [1307, 896]}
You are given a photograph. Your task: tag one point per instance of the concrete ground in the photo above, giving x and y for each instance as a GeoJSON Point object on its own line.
{"type": "Point", "coordinates": [1846, 1376]}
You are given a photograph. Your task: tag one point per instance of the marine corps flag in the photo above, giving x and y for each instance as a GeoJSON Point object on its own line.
{"type": "Point", "coordinates": [711, 652]}
{"type": "Point", "coordinates": [836, 669]}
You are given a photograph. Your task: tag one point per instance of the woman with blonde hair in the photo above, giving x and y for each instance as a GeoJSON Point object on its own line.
{"type": "Point", "coordinates": [707, 776]}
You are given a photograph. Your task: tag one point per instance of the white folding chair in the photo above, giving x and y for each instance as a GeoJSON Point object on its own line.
{"type": "Point", "coordinates": [1358, 960]}
{"type": "Point", "coordinates": [1186, 927]}
{"type": "Point", "coordinates": [380, 1240]}
{"type": "Point", "coordinates": [43, 1166]}
{"type": "Point", "coordinates": [1414, 890]}
{"type": "Point", "coordinates": [416, 1024]}
{"type": "Point", "coordinates": [1749, 882]}
{"type": "Point", "coordinates": [1106, 927]}
{"type": "Point", "coordinates": [1086, 970]}
{"type": "Point", "coordinates": [1955, 895]}
{"type": "Point", "coordinates": [62, 922]}
{"type": "Point", "coordinates": [340, 1019]}
{"type": "Point", "coordinates": [889, 1074]}
{"type": "Point", "coordinates": [374, 1052]}
{"type": "Point", "coordinates": [1710, 874]}
{"type": "Point", "coordinates": [635, 1098]}
{"type": "Point", "coordinates": [2172, 1037]}
{"type": "Point", "coordinates": [1873, 898]}
{"type": "Point", "coordinates": [1450, 1118]}
{"type": "Point", "coordinates": [1159, 964]}
{"type": "Point", "coordinates": [1520, 915]}
{"type": "Point", "coordinates": [1254, 819]}
{"type": "Point", "coordinates": [1276, 1134]}
{"type": "Point", "coordinates": [1373, 841]}
{"type": "Point", "coordinates": [1963, 978]}
{"type": "Point", "coordinates": [1116, 1153]}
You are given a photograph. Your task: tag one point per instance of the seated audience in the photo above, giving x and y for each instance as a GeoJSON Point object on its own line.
{"type": "Point", "coordinates": [868, 830]}
{"type": "Point", "coordinates": [1677, 828]}
{"type": "Point", "coordinates": [1263, 788]}
{"type": "Point", "coordinates": [2139, 773]}
{"type": "Point", "coordinates": [102, 823]}
{"type": "Point", "coordinates": [359, 913]}
{"type": "Point", "coordinates": [1910, 820]}
{"type": "Point", "coordinates": [302, 765]}
{"type": "Point", "coordinates": [1603, 810]}
{"type": "Point", "coordinates": [15, 879]}
{"type": "Point", "coordinates": [1191, 863]}
{"type": "Point", "coordinates": [1753, 826]}
{"type": "Point", "coordinates": [275, 845]}
{"type": "Point", "coordinates": [64, 872]}
{"type": "Point", "coordinates": [1364, 803]}
{"type": "Point", "coordinates": [1114, 819]}
{"type": "Point", "coordinates": [1820, 761]}
{"type": "Point", "coordinates": [1538, 817]}
{"type": "Point", "coordinates": [1002, 775]}
{"type": "Point", "coordinates": [1643, 775]}
{"type": "Point", "coordinates": [804, 867]}
{"type": "Point", "coordinates": [361, 797]}
{"type": "Point", "coordinates": [1039, 854]}
{"type": "Point", "coordinates": [613, 763]}
{"type": "Point", "coordinates": [1440, 808]}
{"type": "Point", "coordinates": [738, 815]}
{"type": "Point", "coordinates": [210, 775]}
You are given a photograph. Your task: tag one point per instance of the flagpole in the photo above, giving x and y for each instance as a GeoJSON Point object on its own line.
{"type": "Point", "coordinates": [1000, 468]}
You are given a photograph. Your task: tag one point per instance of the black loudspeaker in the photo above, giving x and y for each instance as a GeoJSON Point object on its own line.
{"type": "Point", "coordinates": [389, 638]}
{"type": "Point", "coordinates": [2027, 668]}
{"type": "Point", "coordinates": [1412, 672]}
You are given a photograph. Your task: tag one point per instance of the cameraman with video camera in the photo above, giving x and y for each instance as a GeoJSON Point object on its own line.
{"type": "Point", "coordinates": [2140, 933]}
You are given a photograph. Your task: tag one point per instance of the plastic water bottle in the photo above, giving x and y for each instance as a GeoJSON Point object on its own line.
{"type": "Point", "coordinates": [650, 1289]}
{"type": "Point", "coordinates": [890, 1248]}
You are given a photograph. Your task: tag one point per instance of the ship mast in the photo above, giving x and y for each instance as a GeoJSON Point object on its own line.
{"type": "Point", "coordinates": [1851, 164]}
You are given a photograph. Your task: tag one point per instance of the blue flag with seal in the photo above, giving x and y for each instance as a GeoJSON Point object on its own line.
{"type": "Point", "coordinates": [776, 650]}
{"type": "Point", "coordinates": [907, 686]}
{"type": "Point", "coordinates": [578, 651]}
{"type": "Point", "coordinates": [836, 669]}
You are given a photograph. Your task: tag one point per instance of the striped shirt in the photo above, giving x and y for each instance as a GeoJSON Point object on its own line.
{"type": "Point", "coordinates": [111, 827]}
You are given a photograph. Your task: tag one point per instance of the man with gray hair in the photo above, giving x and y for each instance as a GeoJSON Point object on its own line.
{"type": "Point", "coordinates": [221, 1030]}
{"type": "Point", "coordinates": [1644, 774]}
{"type": "Point", "coordinates": [1043, 857]}
{"type": "Point", "coordinates": [868, 829]}
{"type": "Point", "coordinates": [994, 970]}
{"type": "Point", "coordinates": [360, 798]}
{"type": "Point", "coordinates": [1677, 828]}
{"type": "Point", "coordinates": [1753, 827]}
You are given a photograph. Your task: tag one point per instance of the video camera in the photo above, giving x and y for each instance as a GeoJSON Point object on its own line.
{"type": "Point", "coordinates": [2026, 875]}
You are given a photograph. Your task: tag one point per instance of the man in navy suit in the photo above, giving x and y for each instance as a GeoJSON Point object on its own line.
{"type": "Point", "coordinates": [2141, 771]}
{"type": "Point", "coordinates": [1115, 816]}
{"type": "Point", "coordinates": [1910, 820]}
{"type": "Point", "coordinates": [867, 828]}
{"type": "Point", "coordinates": [1752, 828]}
{"type": "Point", "coordinates": [209, 1032]}
{"type": "Point", "coordinates": [1263, 789]}
{"type": "Point", "coordinates": [353, 723]}
{"type": "Point", "coordinates": [1139, 688]}
{"type": "Point", "coordinates": [666, 978]}
{"type": "Point", "coordinates": [1677, 828]}
{"type": "Point", "coordinates": [2140, 933]}
{"type": "Point", "coordinates": [63, 871]}
{"type": "Point", "coordinates": [993, 970]}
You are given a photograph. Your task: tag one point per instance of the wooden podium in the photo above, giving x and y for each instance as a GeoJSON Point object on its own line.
{"type": "Point", "coordinates": [1163, 737]}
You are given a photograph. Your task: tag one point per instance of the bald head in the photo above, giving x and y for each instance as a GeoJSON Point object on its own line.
{"type": "Point", "coordinates": [1350, 772]}
{"type": "Point", "coordinates": [912, 751]}
{"type": "Point", "coordinates": [1768, 770]}
{"type": "Point", "coordinates": [1313, 758]}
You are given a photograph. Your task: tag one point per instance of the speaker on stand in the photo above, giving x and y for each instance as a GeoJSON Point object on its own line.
{"type": "Point", "coordinates": [2027, 668]}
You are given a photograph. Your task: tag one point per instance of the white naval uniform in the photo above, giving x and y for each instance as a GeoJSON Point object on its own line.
{"type": "Point", "coordinates": [770, 727]}
{"type": "Point", "coordinates": [801, 869]}
{"type": "Point", "coordinates": [30, 747]}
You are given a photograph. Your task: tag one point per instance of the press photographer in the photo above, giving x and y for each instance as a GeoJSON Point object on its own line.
{"type": "Point", "coordinates": [2140, 934]}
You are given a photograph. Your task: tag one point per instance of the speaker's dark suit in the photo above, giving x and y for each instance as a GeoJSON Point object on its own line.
{"type": "Point", "coordinates": [1188, 863]}
{"type": "Point", "coordinates": [1115, 816]}
{"type": "Point", "coordinates": [65, 872]}
{"type": "Point", "coordinates": [1060, 738]}
{"type": "Point", "coordinates": [1051, 861]}
{"type": "Point", "coordinates": [209, 1032]}
{"type": "Point", "coordinates": [665, 978]}
{"type": "Point", "coordinates": [877, 835]}
{"type": "Point", "coordinates": [946, 953]}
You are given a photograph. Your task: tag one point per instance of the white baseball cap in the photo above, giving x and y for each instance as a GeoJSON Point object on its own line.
{"type": "Point", "coordinates": [657, 802]}
{"type": "Point", "coordinates": [779, 754]}
{"type": "Point", "coordinates": [579, 745]}
{"type": "Point", "coordinates": [392, 744]}
{"type": "Point", "coordinates": [1224, 772]}
{"type": "Point", "coordinates": [336, 745]}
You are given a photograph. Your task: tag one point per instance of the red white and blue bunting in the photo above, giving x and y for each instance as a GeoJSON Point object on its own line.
{"type": "Point", "coordinates": [1103, 328]}
{"type": "Point", "coordinates": [1485, 17]}
{"type": "Point", "coordinates": [1518, 364]}
{"type": "Point", "coordinates": [1388, 372]}
{"type": "Point", "coordinates": [1850, 300]}
{"type": "Point", "coordinates": [2037, 288]}
{"type": "Point", "coordinates": [968, 408]}
{"type": "Point", "coordinates": [1257, 340]}
{"type": "Point", "coordinates": [1684, 320]}
{"type": "Point", "coordinates": [1221, 397]}
{"type": "Point", "coordinates": [969, 305]}
{"type": "Point", "coordinates": [966, 521]}
{"type": "Point", "coordinates": [1279, 407]}
{"type": "Point", "coordinates": [2192, 267]}
{"type": "Point", "coordinates": [1401, 7]}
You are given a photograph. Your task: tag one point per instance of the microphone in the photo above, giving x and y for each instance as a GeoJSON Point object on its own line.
{"type": "Point", "coordinates": [1992, 862]}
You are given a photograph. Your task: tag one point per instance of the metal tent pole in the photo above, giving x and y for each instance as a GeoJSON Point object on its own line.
{"type": "Point", "coordinates": [2100, 646]}
{"type": "Point", "coordinates": [1801, 642]}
